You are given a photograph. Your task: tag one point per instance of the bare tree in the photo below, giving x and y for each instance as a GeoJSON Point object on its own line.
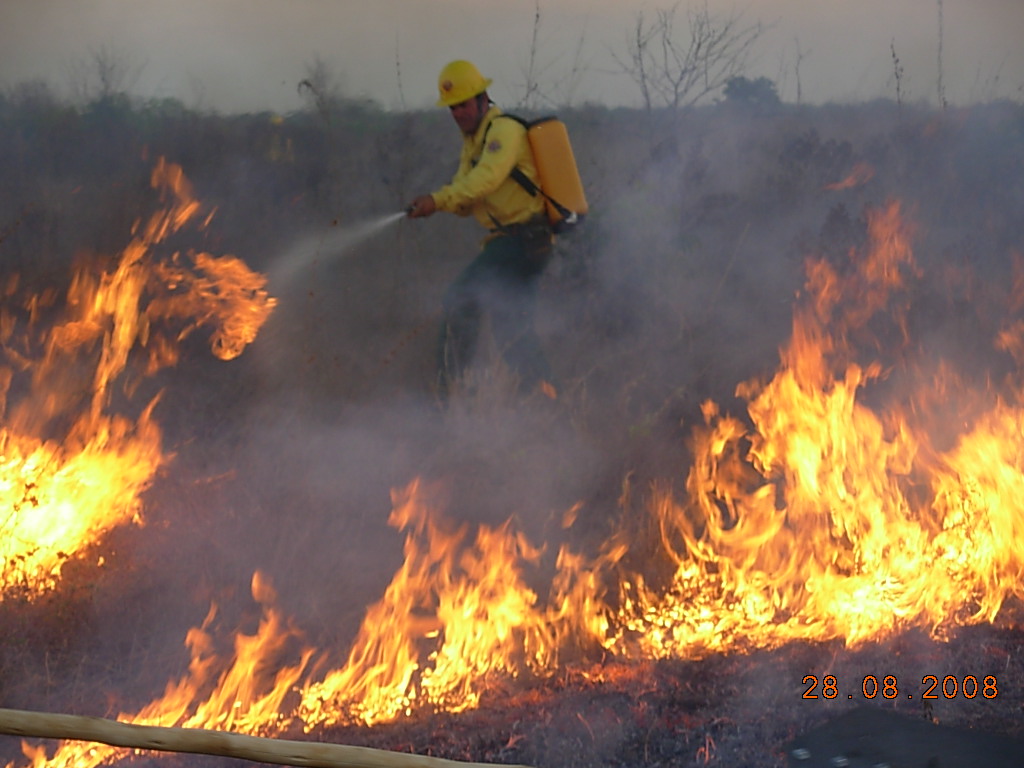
{"type": "Point", "coordinates": [102, 75]}
{"type": "Point", "coordinates": [940, 84]}
{"type": "Point", "coordinates": [321, 88]}
{"type": "Point", "coordinates": [398, 74]}
{"type": "Point", "coordinates": [676, 68]}
{"type": "Point", "coordinates": [530, 70]}
{"type": "Point", "coordinates": [897, 74]}
{"type": "Point", "coordinates": [801, 54]}
{"type": "Point", "coordinates": [560, 88]}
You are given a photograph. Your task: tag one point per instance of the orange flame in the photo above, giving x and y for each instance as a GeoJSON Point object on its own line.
{"type": "Point", "coordinates": [835, 521]}
{"type": "Point", "coordinates": [457, 613]}
{"type": "Point", "coordinates": [243, 693]}
{"type": "Point", "coordinates": [69, 471]}
{"type": "Point", "coordinates": [861, 173]}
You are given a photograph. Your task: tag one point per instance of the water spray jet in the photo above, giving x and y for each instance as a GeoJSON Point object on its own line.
{"type": "Point", "coordinates": [328, 246]}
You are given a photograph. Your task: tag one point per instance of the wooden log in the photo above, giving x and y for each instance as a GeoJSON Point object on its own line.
{"type": "Point", "coordinates": [46, 725]}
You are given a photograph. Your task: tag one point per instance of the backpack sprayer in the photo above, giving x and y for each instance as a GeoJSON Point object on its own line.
{"type": "Point", "coordinates": [560, 184]}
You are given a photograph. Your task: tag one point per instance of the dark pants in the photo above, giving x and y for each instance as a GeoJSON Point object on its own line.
{"type": "Point", "coordinates": [501, 281]}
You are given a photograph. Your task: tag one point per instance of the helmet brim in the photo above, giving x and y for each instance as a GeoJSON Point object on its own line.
{"type": "Point", "coordinates": [458, 98]}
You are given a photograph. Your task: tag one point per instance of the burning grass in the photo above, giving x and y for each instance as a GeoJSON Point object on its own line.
{"type": "Point", "coordinates": [728, 709]}
{"type": "Point", "coordinates": [72, 470]}
{"type": "Point", "coordinates": [851, 515]}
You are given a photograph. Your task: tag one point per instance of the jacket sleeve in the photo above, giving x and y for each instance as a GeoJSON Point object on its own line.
{"type": "Point", "coordinates": [497, 159]}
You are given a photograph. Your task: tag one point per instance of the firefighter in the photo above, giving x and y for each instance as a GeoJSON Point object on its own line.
{"type": "Point", "coordinates": [502, 279]}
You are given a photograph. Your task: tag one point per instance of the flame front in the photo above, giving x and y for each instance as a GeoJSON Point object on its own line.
{"type": "Point", "coordinates": [829, 519]}
{"type": "Point", "coordinates": [457, 613]}
{"type": "Point", "coordinates": [244, 692]}
{"type": "Point", "coordinates": [69, 469]}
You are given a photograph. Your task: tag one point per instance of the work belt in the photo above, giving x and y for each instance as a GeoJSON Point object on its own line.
{"type": "Point", "coordinates": [536, 238]}
{"type": "Point", "coordinates": [535, 227]}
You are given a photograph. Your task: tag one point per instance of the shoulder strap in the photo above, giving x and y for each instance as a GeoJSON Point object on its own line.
{"type": "Point", "coordinates": [516, 173]}
{"type": "Point", "coordinates": [525, 182]}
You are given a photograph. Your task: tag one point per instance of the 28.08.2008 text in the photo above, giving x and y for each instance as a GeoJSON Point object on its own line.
{"type": "Point", "coordinates": [949, 687]}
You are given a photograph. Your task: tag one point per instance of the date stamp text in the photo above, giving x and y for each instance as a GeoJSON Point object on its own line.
{"type": "Point", "coordinates": [889, 687]}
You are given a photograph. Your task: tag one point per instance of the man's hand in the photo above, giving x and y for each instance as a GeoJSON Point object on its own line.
{"type": "Point", "coordinates": [421, 207]}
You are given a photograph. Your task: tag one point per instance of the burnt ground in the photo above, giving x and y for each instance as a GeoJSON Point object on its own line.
{"type": "Point", "coordinates": [734, 710]}
{"type": "Point", "coordinates": [730, 710]}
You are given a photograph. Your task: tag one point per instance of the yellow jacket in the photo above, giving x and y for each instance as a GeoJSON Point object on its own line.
{"type": "Point", "coordinates": [482, 186]}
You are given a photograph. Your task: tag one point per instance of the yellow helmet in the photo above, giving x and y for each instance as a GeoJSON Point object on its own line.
{"type": "Point", "coordinates": [460, 80]}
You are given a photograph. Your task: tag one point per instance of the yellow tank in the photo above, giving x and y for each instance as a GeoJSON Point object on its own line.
{"type": "Point", "coordinates": [557, 172]}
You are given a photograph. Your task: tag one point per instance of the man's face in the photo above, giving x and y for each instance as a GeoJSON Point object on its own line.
{"type": "Point", "coordinates": [469, 113]}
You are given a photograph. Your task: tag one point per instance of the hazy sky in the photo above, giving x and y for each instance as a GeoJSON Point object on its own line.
{"type": "Point", "coordinates": [244, 55]}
